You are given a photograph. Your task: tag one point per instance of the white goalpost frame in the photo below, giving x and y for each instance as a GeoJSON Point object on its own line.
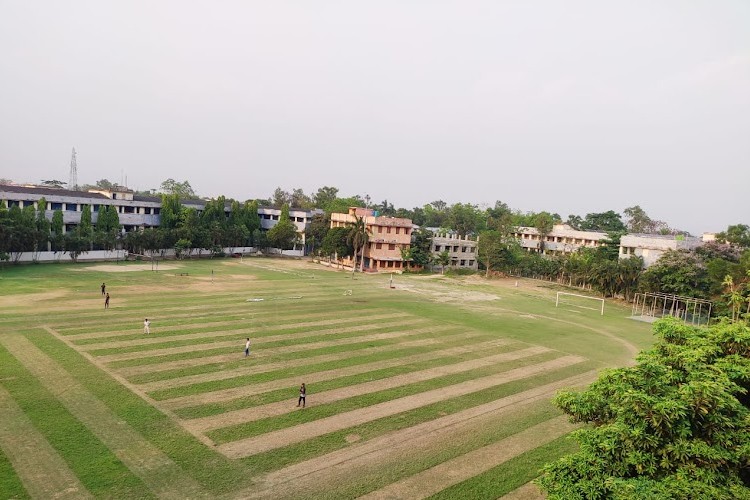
{"type": "Point", "coordinates": [557, 299]}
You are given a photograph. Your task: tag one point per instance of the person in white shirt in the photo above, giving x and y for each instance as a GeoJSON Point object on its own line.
{"type": "Point", "coordinates": [146, 326]}
{"type": "Point", "coordinates": [247, 347]}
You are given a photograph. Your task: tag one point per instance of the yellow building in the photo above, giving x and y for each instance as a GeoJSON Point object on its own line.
{"type": "Point", "coordinates": [387, 237]}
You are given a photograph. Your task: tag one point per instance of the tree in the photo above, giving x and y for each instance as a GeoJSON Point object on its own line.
{"type": "Point", "coordinates": [58, 230]}
{"type": "Point", "coordinates": [324, 196]}
{"type": "Point", "coordinates": [676, 425]}
{"type": "Point", "coordinates": [443, 258]}
{"type": "Point", "coordinates": [284, 234]}
{"type": "Point", "coordinates": [281, 198]}
{"type": "Point", "coordinates": [183, 190]}
{"type": "Point", "coordinates": [42, 226]}
{"type": "Point", "coordinates": [319, 226]}
{"type": "Point", "coordinates": [639, 222]}
{"type": "Point", "coordinates": [300, 200]}
{"type": "Point", "coordinates": [170, 211]}
{"type": "Point", "coordinates": [738, 235]}
{"type": "Point", "coordinates": [607, 222]}
{"type": "Point", "coordinates": [336, 243]}
{"type": "Point", "coordinates": [464, 218]}
{"type": "Point", "coordinates": [358, 238]}
{"type": "Point", "coordinates": [420, 248]}
{"type": "Point", "coordinates": [677, 272]}
{"type": "Point", "coordinates": [543, 222]}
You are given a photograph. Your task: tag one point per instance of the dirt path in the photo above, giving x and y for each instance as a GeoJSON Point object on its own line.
{"type": "Point", "coordinates": [382, 321]}
{"type": "Point", "coordinates": [251, 320]}
{"type": "Point", "coordinates": [40, 468]}
{"type": "Point", "coordinates": [240, 346]}
{"type": "Point", "coordinates": [528, 491]}
{"type": "Point", "coordinates": [281, 407]}
{"type": "Point", "coordinates": [305, 478]}
{"type": "Point", "coordinates": [284, 437]}
{"type": "Point", "coordinates": [146, 461]}
{"type": "Point", "coordinates": [315, 376]}
{"type": "Point", "coordinates": [466, 466]}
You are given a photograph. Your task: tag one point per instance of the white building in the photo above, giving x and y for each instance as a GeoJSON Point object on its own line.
{"type": "Point", "coordinates": [563, 239]}
{"type": "Point", "coordinates": [652, 246]}
{"type": "Point", "coordinates": [462, 251]}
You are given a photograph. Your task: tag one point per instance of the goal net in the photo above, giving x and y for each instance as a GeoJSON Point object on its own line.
{"type": "Point", "coordinates": [580, 301]}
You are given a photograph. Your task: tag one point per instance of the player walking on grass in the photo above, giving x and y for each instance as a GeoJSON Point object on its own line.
{"type": "Point", "coordinates": [106, 302]}
{"type": "Point", "coordinates": [302, 394]}
{"type": "Point", "coordinates": [146, 326]}
{"type": "Point", "coordinates": [247, 347]}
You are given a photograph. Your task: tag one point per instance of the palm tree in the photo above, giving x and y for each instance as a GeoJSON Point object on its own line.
{"type": "Point", "coordinates": [734, 296]}
{"type": "Point", "coordinates": [358, 238]}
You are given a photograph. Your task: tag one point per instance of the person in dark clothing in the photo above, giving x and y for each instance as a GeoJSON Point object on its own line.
{"type": "Point", "coordinates": [106, 302]}
{"type": "Point", "coordinates": [302, 393]}
{"type": "Point", "coordinates": [104, 287]}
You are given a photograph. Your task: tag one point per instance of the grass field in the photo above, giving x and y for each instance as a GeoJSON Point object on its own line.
{"type": "Point", "coordinates": [438, 388]}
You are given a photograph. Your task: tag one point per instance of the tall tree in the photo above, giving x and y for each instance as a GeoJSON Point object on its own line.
{"type": "Point", "coordinates": [324, 196]}
{"type": "Point", "coordinates": [676, 425]}
{"type": "Point", "coordinates": [607, 222]}
{"type": "Point", "coordinates": [543, 222]}
{"type": "Point", "coordinates": [182, 190]}
{"type": "Point", "coordinates": [358, 238]}
{"type": "Point", "coordinates": [284, 234]}
{"type": "Point", "coordinates": [738, 235]}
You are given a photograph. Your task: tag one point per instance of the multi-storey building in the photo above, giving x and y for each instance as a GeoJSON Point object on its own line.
{"type": "Point", "coordinates": [388, 236]}
{"type": "Point", "coordinates": [462, 251]}
{"type": "Point", "coordinates": [652, 246]}
{"type": "Point", "coordinates": [134, 211]}
{"type": "Point", "coordinates": [563, 239]}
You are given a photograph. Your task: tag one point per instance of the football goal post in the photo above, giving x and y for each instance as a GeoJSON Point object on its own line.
{"type": "Point", "coordinates": [557, 300]}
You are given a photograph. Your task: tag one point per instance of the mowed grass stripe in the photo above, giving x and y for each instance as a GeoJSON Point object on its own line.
{"type": "Point", "coordinates": [42, 470]}
{"type": "Point", "coordinates": [321, 398]}
{"type": "Point", "coordinates": [242, 368]}
{"type": "Point", "coordinates": [142, 373]}
{"type": "Point", "coordinates": [282, 388]}
{"type": "Point", "coordinates": [392, 334]}
{"type": "Point", "coordinates": [285, 437]}
{"type": "Point", "coordinates": [291, 331]}
{"type": "Point", "coordinates": [264, 374]}
{"type": "Point", "coordinates": [10, 484]}
{"type": "Point", "coordinates": [506, 479]}
{"type": "Point", "coordinates": [198, 327]}
{"type": "Point", "coordinates": [316, 411]}
{"type": "Point", "coordinates": [211, 392]}
{"type": "Point", "coordinates": [91, 322]}
{"type": "Point", "coordinates": [96, 467]}
{"type": "Point", "coordinates": [155, 469]}
{"type": "Point", "coordinates": [466, 466]}
{"type": "Point", "coordinates": [407, 446]}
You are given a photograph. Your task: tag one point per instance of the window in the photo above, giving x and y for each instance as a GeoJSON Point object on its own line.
{"type": "Point", "coordinates": [437, 248]}
{"type": "Point", "coordinates": [463, 262]}
{"type": "Point", "coordinates": [146, 210]}
{"type": "Point", "coordinates": [398, 230]}
{"type": "Point", "coordinates": [455, 248]}
{"type": "Point", "coordinates": [114, 196]}
{"type": "Point", "coordinates": [389, 230]}
{"type": "Point", "coordinates": [70, 207]}
{"type": "Point", "coordinates": [463, 249]}
{"type": "Point", "coordinates": [56, 206]}
{"type": "Point", "coordinates": [391, 246]}
{"type": "Point", "coordinates": [380, 229]}
{"type": "Point", "coordinates": [156, 211]}
{"type": "Point", "coordinates": [471, 262]}
{"type": "Point", "coordinates": [129, 210]}
{"type": "Point", "coordinates": [378, 245]}
{"type": "Point", "coordinates": [94, 208]}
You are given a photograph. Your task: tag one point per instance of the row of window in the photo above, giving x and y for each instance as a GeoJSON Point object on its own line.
{"type": "Point", "coordinates": [379, 246]}
{"type": "Point", "coordinates": [454, 248]}
{"type": "Point", "coordinates": [406, 230]}
{"type": "Point", "coordinates": [77, 207]}
{"type": "Point", "coordinates": [276, 217]}
{"type": "Point", "coordinates": [559, 239]}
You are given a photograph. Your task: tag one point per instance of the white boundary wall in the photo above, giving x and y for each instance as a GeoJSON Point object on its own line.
{"type": "Point", "coordinates": [110, 255]}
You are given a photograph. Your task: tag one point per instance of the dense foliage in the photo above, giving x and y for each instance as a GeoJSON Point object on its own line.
{"type": "Point", "coordinates": [676, 425]}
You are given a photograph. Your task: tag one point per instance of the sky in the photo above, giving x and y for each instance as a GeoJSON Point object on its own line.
{"type": "Point", "coordinates": [566, 106]}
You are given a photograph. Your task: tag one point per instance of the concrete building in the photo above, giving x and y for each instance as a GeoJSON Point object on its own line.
{"type": "Point", "coordinates": [387, 237]}
{"type": "Point", "coordinates": [135, 211]}
{"type": "Point", "coordinates": [462, 251]}
{"type": "Point", "coordinates": [563, 239]}
{"type": "Point", "coordinates": [652, 246]}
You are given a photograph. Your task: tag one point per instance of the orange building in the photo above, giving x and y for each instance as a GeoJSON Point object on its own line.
{"type": "Point", "coordinates": [387, 237]}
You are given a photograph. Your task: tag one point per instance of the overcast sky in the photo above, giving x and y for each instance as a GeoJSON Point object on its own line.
{"type": "Point", "coordinates": [566, 106]}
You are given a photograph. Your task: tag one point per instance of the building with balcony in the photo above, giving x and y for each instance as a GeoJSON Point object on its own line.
{"type": "Point", "coordinates": [563, 239]}
{"type": "Point", "coordinates": [388, 236]}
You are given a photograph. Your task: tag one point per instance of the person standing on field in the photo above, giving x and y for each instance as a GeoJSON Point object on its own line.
{"type": "Point", "coordinates": [106, 301]}
{"type": "Point", "coordinates": [104, 287]}
{"type": "Point", "coordinates": [146, 326]}
{"type": "Point", "coordinates": [302, 394]}
{"type": "Point", "coordinates": [247, 347]}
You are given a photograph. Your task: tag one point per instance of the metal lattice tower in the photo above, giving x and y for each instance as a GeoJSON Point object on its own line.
{"type": "Point", "coordinates": [73, 181]}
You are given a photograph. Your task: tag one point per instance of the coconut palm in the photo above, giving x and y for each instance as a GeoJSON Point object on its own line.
{"type": "Point", "coordinates": [358, 238]}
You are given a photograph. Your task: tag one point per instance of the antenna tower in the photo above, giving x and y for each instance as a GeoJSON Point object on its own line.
{"type": "Point", "coordinates": [73, 181]}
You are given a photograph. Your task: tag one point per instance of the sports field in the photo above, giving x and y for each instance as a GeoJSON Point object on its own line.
{"type": "Point", "coordinates": [437, 388]}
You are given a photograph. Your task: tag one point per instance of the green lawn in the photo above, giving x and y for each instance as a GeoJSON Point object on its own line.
{"type": "Point", "coordinates": [388, 370]}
